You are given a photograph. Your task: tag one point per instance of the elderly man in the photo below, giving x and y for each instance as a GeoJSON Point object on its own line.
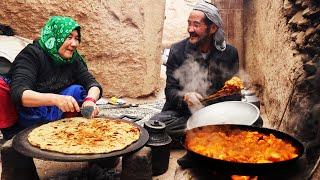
{"type": "Point", "coordinates": [197, 66]}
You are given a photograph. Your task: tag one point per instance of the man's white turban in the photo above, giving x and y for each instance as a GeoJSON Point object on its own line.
{"type": "Point", "coordinates": [212, 13]}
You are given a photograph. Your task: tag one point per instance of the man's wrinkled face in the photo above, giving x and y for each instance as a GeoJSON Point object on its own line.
{"type": "Point", "coordinates": [197, 28]}
{"type": "Point", "coordinates": [69, 45]}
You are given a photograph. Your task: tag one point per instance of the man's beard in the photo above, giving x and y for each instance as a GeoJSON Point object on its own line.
{"type": "Point", "coordinates": [203, 39]}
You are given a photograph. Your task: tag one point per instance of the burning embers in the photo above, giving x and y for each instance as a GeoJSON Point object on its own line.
{"type": "Point", "coordinates": [241, 146]}
{"type": "Point", "coordinates": [238, 177]}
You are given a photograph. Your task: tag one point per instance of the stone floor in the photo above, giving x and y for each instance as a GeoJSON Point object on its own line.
{"type": "Point", "coordinates": [144, 111]}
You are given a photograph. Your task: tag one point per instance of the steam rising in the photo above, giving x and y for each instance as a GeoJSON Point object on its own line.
{"type": "Point", "coordinates": [245, 78]}
{"type": "Point", "coordinates": [193, 77]}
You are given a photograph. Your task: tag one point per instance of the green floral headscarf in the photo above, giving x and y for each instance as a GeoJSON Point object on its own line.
{"type": "Point", "coordinates": [53, 35]}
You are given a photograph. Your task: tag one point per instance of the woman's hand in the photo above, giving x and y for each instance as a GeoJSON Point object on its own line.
{"type": "Point", "coordinates": [95, 110]}
{"type": "Point", "coordinates": [67, 103]}
{"type": "Point", "coordinates": [90, 100]}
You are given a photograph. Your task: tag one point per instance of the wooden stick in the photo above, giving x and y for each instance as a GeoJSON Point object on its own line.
{"type": "Point", "coordinates": [216, 96]}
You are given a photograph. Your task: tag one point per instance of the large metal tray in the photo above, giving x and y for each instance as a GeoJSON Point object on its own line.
{"type": "Point", "coordinates": [22, 145]}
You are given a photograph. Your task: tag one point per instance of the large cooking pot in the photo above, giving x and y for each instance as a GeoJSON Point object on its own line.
{"type": "Point", "coordinates": [21, 144]}
{"type": "Point", "coordinates": [246, 168]}
{"type": "Point", "coordinates": [227, 112]}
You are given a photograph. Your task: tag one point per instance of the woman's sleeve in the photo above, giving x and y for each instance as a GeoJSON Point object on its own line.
{"type": "Point", "coordinates": [24, 73]}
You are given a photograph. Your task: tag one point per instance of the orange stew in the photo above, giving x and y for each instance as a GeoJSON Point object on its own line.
{"type": "Point", "coordinates": [239, 145]}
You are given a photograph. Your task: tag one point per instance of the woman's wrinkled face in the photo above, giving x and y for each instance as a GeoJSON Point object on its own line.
{"type": "Point", "coordinates": [69, 45]}
{"type": "Point", "coordinates": [197, 28]}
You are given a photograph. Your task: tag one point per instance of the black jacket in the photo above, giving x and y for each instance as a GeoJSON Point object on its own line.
{"type": "Point", "coordinates": [221, 66]}
{"type": "Point", "coordinates": [33, 69]}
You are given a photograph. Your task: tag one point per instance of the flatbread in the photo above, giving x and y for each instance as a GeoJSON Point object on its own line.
{"type": "Point", "coordinates": [82, 136]}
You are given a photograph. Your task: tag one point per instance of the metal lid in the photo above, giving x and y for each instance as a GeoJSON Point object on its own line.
{"type": "Point", "coordinates": [154, 126]}
{"type": "Point", "coordinates": [157, 133]}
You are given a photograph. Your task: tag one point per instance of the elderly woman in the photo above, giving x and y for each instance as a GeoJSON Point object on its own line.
{"type": "Point", "coordinates": [49, 78]}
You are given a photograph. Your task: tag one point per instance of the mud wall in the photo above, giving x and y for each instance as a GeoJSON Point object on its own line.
{"type": "Point", "coordinates": [121, 40]}
{"type": "Point", "coordinates": [277, 60]}
{"type": "Point", "coordinates": [269, 59]}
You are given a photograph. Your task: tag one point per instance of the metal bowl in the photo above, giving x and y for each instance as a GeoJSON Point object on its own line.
{"type": "Point", "coordinates": [228, 112]}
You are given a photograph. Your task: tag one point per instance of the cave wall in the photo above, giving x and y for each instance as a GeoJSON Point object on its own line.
{"type": "Point", "coordinates": [303, 20]}
{"type": "Point", "coordinates": [269, 59]}
{"type": "Point", "coordinates": [277, 60]}
{"type": "Point", "coordinates": [121, 40]}
{"type": "Point", "coordinates": [176, 21]}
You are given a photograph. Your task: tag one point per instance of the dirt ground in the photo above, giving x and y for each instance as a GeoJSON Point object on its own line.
{"type": "Point", "coordinates": [58, 170]}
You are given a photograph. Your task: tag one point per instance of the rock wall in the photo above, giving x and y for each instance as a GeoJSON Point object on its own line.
{"type": "Point", "coordinates": [176, 21]}
{"type": "Point", "coordinates": [282, 57]}
{"type": "Point", "coordinates": [303, 18]}
{"type": "Point", "coordinates": [121, 40]}
{"type": "Point", "coordinates": [269, 60]}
